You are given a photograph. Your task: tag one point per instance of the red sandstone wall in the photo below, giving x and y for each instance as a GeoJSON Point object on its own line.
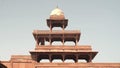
{"type": "Point", "coordinates": [77, 65]}
{"type": "Point", "coordinates": [6, 64]}
{"type": "Point", "coordinates": [23, 65]}
{"type": "Point", "coordinates": [18, 64]}
{"type": "Point", "coordinates": [60, 65]}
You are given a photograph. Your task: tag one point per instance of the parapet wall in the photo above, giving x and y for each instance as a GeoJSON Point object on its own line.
{"type": "Point", "coordinates": [25, 61]}
{"type": "Point", "coordinates": [17, 65]}
{"type": "Point", "coordinates": [77, 65]}
{"type": "Point", "coordinates": [18, 61]}
{"type": "Point", "coordinates": [8, 64]}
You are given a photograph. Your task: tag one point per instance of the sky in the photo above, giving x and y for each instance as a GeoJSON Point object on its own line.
{"type": "Point", "coordinates": [97, 20]}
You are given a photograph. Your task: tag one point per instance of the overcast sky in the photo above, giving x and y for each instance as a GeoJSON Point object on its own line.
{"type": "Point", "coordinates": [98, 21]}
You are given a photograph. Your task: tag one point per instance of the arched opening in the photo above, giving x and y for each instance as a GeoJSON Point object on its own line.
{"type": "Point", "coordinates": [81, 61]}
{"type": "Point", "coordinates": [42, 58]}
{"type": "Point", "coordinates": [70, 58]}
{"type": "Point", "coordinates": [69, 61]}
{"type": "Point", "coordinates": [69, 43]}
{"type": "Point", "coordinates": [44, 61]}
{"type": "Point", "coordinates": [82, 58]}
{"type": "Point", "coordinates": [57, 43]}
{"type": "Point", "coordinates": [57, 61]}
{"type": "Point", "coordinates": [47, 43]}
{"type": "Point", "coordinates": [57, 40]}
{"type": "Point", "coordinates": [69, 40]}
{"type": "Point", "coordinates": [57, 28]}
{"type": "Point", "coordinates": [56, 58]}
{"type": "Point", "coordinates": [39, 43]}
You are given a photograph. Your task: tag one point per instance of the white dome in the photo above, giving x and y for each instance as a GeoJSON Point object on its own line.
{"type": "Point", "coordinates": [57, 14]}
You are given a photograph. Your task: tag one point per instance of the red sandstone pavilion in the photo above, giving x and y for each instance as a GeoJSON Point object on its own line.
{"type": "Point", "coordinates": [62, 52]}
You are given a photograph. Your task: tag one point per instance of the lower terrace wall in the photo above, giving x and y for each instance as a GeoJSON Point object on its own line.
{"type": "Point", "coordinates": [8, 64]}
{"type": "Point", "coordinates": [23, 65]}
{"type": "Point", "coordinates": [77, 65]}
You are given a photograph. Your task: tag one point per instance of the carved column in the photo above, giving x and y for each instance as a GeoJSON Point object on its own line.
{"type": "Point", "coordinates": [63, 27]}
{"type": "Point", "coordinates": [50, 26]}
{"type": "Point", "coordinates": [50, 40]}
{"type": "Point", "coordinates": [90, 58]}
{"type": "Point", "coordinates": [50, 58]}
{"type": "Point", "coordinates": [76, 41]}
{"type": "Point", "coordinates": [76, 59]}
{"type": "Point", "coordinates": [63, 57]}
{"type": "Point", "coordinates": [35, 57]}
{"type": "Point", "coordinates": [37, 43]}
{"type": "Point", "coordinates": [63, 39]}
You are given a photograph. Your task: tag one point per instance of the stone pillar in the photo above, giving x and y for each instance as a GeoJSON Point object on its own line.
{"type": "Point", "coordinates": [76, 59]}
{"type": "Point", "coordinates": [63, 40]}
{"type": "Point", "coordinates": [37, 40]}
{"type": "Point", "coordinates": [50, 40]}
{"type": "Point", "coordinates": [37, 43]}
{"type": "Point", "coordinates": [90, 58]}
{"type": "Point", "coordinates": [50, 58]}
{"type": "Point", "coordinates": [76, 41]}
{"type": "Point", "coordinates": [63, 57]}
{"type": "Point", "coordinates": [50, 26]}
{"type": "Point", "coordinates": [43, 41]}
{"type": "Point", "coordinates": [34, 57]}
{"type": "Point", "coordinates": [63, 27]}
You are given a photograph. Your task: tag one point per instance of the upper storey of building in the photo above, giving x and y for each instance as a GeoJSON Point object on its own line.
{"type": "Point", "coordinates": [57, 19]}
{"type": "Point", "coordinates": [46, 49]}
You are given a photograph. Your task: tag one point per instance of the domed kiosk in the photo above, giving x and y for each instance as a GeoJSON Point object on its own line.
{"type": "Point", "coordinates": [57, 19]}
{"type": "Point", "coordinates": [57, 14]}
